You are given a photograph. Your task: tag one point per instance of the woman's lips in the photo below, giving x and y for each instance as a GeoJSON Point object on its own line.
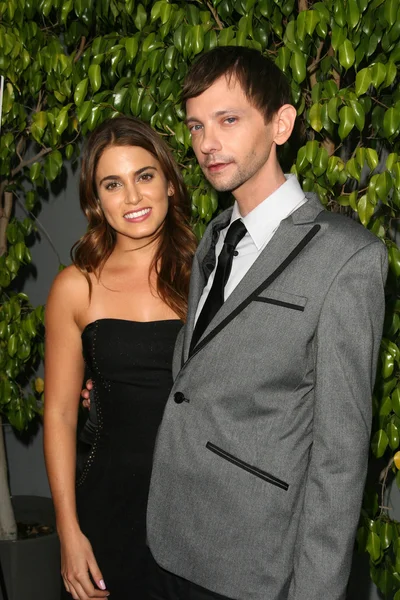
{"type": "Point", "coordinates": [137, 216]}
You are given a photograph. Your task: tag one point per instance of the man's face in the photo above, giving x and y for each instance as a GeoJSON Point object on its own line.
{"type": "Point", "coordinates": [230, 138]}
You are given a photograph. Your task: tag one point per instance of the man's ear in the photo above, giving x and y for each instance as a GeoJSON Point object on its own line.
{"type": "Point", "coordinates": [284, 123]}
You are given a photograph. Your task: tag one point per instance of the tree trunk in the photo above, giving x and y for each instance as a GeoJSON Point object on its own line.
{"type": "Point", "coordinates": [8, 527]}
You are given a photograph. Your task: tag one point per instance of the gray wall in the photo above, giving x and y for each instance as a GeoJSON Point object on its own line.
{"type": "Point", "coordinates": [64, 222]}
{"type": "Point", "coordinates": [62, 219]}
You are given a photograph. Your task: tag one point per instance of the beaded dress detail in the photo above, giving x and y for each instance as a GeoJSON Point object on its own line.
{"type": "Point", "coordinates": [130, 364]}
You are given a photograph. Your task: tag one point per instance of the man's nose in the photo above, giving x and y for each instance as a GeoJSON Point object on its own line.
{"type": "Point", "coordinates": [210, 142]}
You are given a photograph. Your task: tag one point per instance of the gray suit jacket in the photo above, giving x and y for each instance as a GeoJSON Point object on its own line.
{"type": "Point", "coordinates": [262, 453]}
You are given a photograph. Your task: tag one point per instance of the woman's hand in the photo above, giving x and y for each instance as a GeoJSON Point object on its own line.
{"type": "Point", "coordinates": [77, 561]}
{"type": "Point", "coordinates": [85, 393]}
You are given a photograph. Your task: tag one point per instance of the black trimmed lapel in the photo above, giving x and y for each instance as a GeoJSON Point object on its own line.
{"type": "Point", "coordinates": [293, 234]}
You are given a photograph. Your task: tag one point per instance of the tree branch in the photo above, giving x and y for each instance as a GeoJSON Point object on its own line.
{"type": "Point", "coordinates": [80, 49]}
{"type": "Point", "coordinates": [215, 15]}
{"type": "Point", "coordinates": [335, 74]}
{"type": "Point", "coordinates": [312, 68]}
{"type": "Point", "coordinates": [5, 214]}
{"type": "Point", "coordinates": [29, 161]}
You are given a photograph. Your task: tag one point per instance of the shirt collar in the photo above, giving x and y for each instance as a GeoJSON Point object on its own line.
{"type": "Point", "coordinates": [269, 213]}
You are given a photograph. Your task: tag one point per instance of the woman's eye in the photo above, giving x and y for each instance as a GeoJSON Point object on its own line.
{"type": "Point", "coordinates": [146, 177]}
{"type": "Point", "coordinates": [112, 185]}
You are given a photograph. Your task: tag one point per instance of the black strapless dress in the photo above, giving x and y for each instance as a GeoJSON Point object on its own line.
{"type": "Point", "coordinates": [130, 363]}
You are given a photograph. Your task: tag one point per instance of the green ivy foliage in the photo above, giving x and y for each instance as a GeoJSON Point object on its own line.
{"type": "Point", "coordinates": [69, 64]}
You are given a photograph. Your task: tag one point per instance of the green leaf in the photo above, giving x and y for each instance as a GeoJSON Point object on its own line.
{"type": "Point", "coordinates": [346, 54]}
{"type": "Point", "coordinates": [339, 13]}
{"type": "Point", "coordinates": [365, 209]}
{"type": "Point", "coordinates": [393, 435]}
{"type": "Point", "coordinates": [383, 186]}
{"type": "Point", "coordinates": [363, 81]}
{"type": "Point", "coordinates": [93, 117]}
{"type": "Point", "coordinates": [353, 169]}
{"type": "Point", "coordinates": [84, 111]}
{"type": "Point", "coordinates": [359, 114]}
{"type": "Point", "coordinates": [391, 122]}
{"type": "Point", "coordinates": [374, 546]}
{"type": "Point", "coordinates": [53, 165]}
{"type": "Point", "coordinates": [315, 117]}
{"type": "Point", "coordinates": [347, 121]}
{"type": "Point", "coordinates": [387, 359]}
{"type": "Point", "coordinates": [386, 534]}
{"type": "Point", "coordinates": [312, 148]}
{"type": "Point", "coordinates": [312, 20]}
{"type": "Point", "coordinates": [148, 107]}
{"type": "Point", "coordinates": [372, 158]}
{"type": "Point", "coordinates": [283, 58]}
{"type": "Point", "coordinates": [391, 72]}
{"type": "Point", "coordinates": [81, 91]}
{"type": "Point", "coordinates": [299, 67]}
{"type": "Point", "coordinates": [320, 163]}
{"type": "Point", "coordinates": [66, 9]}
{"type": "Point", "coordinates": [131, 47]}
{"type": "Point", "coordinates": [333, 106]}
{"type": "Point", "coordinates": [301, 25]}
{"type": "Point", "coordinates": [390, 11]}
{"type": "Point", "coordinates": [141, 17]}
{"type": "Point", "coordinates": [62, 119]}
{"type": "Point", "coordinates": [34, 171]}
{"type": "Point", "coordinates": [203, 205]}
{"type": "Point", "coordinates": [338, 36]}
{"type": "Point", "coordinates": [378, 74]}
{"type": "Point", "coordinates": [290, 33]}
{"type": "Point", "coordinates": [95, 77]}
{"type": "Point", "coordinates": [353, 13]}
{"type": "Point", "coordinates": [394, 262]}
{"type": "Point", "coordinates": [301, 160]}
{"type": "Point", "coordinates": [197, 34]}
{"type": "Point", "coordinates": [12, 344]}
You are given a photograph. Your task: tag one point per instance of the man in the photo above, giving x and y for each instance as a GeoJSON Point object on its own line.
{"type": "Point", "coordinates": [261, 457]}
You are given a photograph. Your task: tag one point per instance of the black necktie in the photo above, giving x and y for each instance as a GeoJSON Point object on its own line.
{"type": "Point", "coordinates": [215, 298]}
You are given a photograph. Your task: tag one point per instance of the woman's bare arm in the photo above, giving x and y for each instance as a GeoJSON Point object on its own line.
{"type": "Point", "coordinates": [64, 370]}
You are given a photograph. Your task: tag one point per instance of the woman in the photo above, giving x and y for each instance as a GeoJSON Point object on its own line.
{"type": "Point", "coordinates": [122, 304]}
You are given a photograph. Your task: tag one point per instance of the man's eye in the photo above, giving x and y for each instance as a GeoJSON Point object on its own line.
{"type": "Point", "coordinates": [230, 120]}
{"type": "Point", "coordinates": [194, 128]}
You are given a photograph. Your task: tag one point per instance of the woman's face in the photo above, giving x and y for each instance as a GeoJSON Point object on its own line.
{"type": "Point", "coordinates": [133, 193]}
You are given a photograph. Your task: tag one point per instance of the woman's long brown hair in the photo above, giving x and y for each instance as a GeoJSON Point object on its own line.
{"type": "Point", "coordinates": [176, 241]}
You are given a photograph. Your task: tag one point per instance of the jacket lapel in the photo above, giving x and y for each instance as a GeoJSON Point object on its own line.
{"type": "Point", "coordinates": [291, 236]}
{"type": "Point", "coordinates": [203, 264]}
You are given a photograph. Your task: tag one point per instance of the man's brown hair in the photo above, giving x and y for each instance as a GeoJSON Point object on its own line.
{"type": "Point", "coordinates": [263, 83]}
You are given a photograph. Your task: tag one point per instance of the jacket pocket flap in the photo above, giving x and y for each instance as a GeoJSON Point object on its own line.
{"type": "Point", "coordinates": [281, 298]}
{"type": "Point", "coordinates": [247, 467]}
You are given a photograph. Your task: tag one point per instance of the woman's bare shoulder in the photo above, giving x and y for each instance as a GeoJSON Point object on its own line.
{"type": "Point", "coordinates": [71, 284]}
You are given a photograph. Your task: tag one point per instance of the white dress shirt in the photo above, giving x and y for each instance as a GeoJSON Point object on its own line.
{"type": "Point", "coordinates": [261, 224]}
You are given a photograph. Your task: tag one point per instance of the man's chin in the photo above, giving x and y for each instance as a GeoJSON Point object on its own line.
{"type": "Point", "coordinates": [220, 186]}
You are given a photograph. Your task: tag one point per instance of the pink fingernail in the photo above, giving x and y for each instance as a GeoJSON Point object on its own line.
{"type": "Point", "coordinates": [102, 585]}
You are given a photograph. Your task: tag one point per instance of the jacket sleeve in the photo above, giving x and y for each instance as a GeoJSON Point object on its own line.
{"type": "Point", "coordinates": [346, 351]}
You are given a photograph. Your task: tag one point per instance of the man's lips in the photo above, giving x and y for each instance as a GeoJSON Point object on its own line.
{"type": "Point", "coordinates": [217, 166]}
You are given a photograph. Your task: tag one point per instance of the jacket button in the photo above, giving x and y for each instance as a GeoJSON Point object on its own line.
{"type": "Point", "coordinates": [179, 397]}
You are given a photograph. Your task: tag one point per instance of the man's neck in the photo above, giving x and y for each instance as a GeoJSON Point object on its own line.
{"type": "Point", "coordinates": [253, 192]}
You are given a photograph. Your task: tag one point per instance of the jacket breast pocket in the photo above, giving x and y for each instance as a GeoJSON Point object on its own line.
{"type": "Point", "coordinates": [281, 298]}
{"type": "Point", "coordinates": [247, 467]}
